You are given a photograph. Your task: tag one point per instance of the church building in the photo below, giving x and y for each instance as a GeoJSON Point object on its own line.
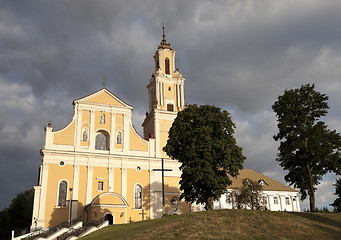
{"type": "Point", "coordinates": [98, 167]}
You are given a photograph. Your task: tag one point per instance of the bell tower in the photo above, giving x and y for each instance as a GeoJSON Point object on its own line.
{"type": "Point", "coordinates": [166, 95]}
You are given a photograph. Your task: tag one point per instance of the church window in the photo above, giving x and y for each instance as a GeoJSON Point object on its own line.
{"type": "Point", "coordinates": [85, 135]}
{"type": "Point", "coordinates": [170, 107]}
{"type": "Point", "coordinates": [100, 186]}
{"type": "Point", "coordinates": [119, 138]}
{"type": "Point", "coordinates": [275, 200]}
{"type": "Point", "coordinates": [102, 121]}
{"type": "Point", "coordinates": [138, 196]}
{"type": "Point", "coordinates": [101, 141]}
{"type": "Point", "coordinates": [169, 89]}
{"type": "Point", "coordinates": [287, 201]}
{"type": "Point", "coordinates": [62, 194]}
{"type": "Point", "coordinates": [167, 71]}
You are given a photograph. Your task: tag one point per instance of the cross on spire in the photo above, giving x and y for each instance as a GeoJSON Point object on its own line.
{"type": "Point", "coordinates": [163, 43]}
{"type": "Point", "coordinates": [104, 79]}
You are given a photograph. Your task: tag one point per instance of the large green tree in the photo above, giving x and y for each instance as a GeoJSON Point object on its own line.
{"type": "Point", "coordinates": [201, 138]}
{"type": "Point", "coordinates": [18, 215]}
{"type": "Point", "coordinates": [337, 203]}
{"type": "Point", "coordinates": [308, 149]}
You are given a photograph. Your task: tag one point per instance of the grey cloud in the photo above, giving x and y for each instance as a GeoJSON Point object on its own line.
{"type": "Point", "coordinates": [239, 55]}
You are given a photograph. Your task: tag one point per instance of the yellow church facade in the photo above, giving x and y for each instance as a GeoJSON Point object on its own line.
{"type": "Point", "coordinates": [99, 167]}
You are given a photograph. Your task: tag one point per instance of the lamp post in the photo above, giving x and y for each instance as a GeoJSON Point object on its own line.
{"type": "Point", "coordinates": [70, 208]}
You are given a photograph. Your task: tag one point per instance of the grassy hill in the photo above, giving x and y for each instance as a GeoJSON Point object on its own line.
{"type": "Point", "coordinates": [229, 224]}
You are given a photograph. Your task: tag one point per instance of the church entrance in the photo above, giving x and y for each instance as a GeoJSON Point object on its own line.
{"type": "Point", "coordinates": [110, 218]}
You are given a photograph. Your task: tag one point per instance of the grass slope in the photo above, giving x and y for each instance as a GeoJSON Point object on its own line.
{"type": "Point", "coordinates": [229, 224]}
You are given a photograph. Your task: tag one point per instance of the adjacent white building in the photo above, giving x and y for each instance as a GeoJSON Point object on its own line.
{"type": "Point", "coordinates": [275, 196]}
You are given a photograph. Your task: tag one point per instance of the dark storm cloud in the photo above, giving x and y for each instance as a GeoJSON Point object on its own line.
{"type": "Point", "coordinates": [238, 55]}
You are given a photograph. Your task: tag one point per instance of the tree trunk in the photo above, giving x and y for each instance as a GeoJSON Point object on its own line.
{"type": "Point", "coordinates": [209, 204]}
{"type": "Point", "coordinates": [311, 191]}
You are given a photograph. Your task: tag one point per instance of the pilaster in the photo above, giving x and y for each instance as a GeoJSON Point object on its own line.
{"type": "Point", "coordinates": [112, 133]}
{"type": "Point", "coordinates": [92, 130]}
{"type": "Point", "coordinates": [88, 198]}
{"type": "Point", "coordinates": [126, 132]}
{"type": "Point", "coordinates": [78, 128]}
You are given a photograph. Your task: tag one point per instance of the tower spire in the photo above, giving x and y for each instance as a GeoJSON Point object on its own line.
{"type": "Point", "coordinates": [164, 41]}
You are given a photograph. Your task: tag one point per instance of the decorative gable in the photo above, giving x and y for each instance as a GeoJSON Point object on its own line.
{"type": "Point", "coordinates": [103, 96]}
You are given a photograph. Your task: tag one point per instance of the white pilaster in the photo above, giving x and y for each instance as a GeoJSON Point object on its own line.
{"type": "Point", "coordinates": [41, 213]}
{"type": "Point", "coordinates": [157, 136]}
{"type": "Point", "coordinates": [157, 91]}
{"type": "Point", "coordinates": [126, 121]}
{"type": "Point", "coordinates": [88, 198]}
{"type": "Point", "coordinates": [182, 95]}
{"type": "Point", "coordinates": [78, 128]}
{"type": "Point", "coordinates": [112, 133]}
{"type": "Point", "coordinates": [75, 182]}
{"type": "Point", "coordinates": [48, 137]}
{"type": "Point", "coordinates": [92, 130]}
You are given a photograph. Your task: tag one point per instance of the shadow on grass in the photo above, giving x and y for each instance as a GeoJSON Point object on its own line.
{"type": "Point", "coordinates": [330, 223]}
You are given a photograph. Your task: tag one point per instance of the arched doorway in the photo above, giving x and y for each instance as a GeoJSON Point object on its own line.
{"type": "Point", "coordinates": [110, 218]}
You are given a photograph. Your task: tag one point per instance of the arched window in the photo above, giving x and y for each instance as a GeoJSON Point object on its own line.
{"type": "Point", "coordinates": [101, 141]}
{"type": "Point", "coordinates": [62, 193]}
{"type": "Point", "coordinates": [138, 196]}
{"type": "Point", "coordinates": [85, 134]}
{"type": "Point", "coordinates": [119, 138]}
{"type": "Point", "coordinates": [167, 71]}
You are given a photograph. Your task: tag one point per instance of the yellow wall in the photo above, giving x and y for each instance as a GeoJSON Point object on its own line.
{"type": "Point", "coordinates": [53, 214]}
{"type": "Point", "coordinates": [136, 143]}
{"type": "Point", "coordinates": [83, 173]}
{"type": "Point", "coordinates": [104, 98]}
{"type": "Point", "coordinates": [142, 178]}
{"type": "Point", "coordinates": [96, 213]}
{"type": "Point", "coordinates": [65, 136]}
{"type": "Point", "coordinates": [118, 181]}
{"type": "Point", "coordinates": [99, 174]}
{"type": "Point", "coordinates": [165, 125]}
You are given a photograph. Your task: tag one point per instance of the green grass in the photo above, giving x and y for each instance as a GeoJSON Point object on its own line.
{"type": "Point", "coordinates": [229, 224]}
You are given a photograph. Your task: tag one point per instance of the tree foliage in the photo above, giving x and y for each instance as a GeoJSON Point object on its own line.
{"type": "Point", "coordinates": [337, 202]}
{"type": "Point", "coordinates": [308, 149]}
{"type": "Point", "coordinates": [249, 196]}
{"type": "Point", "coordinates": [18, 215]}
{"type": "Point", "coordinates": [201, 138]}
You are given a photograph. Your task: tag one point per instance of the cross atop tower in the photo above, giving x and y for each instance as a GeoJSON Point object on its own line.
{"type": "Point", "coordinates": [163, 43]}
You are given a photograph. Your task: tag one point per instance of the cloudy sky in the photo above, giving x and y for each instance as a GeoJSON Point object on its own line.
{"type": "Point", "coordinates": [239, 55]}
